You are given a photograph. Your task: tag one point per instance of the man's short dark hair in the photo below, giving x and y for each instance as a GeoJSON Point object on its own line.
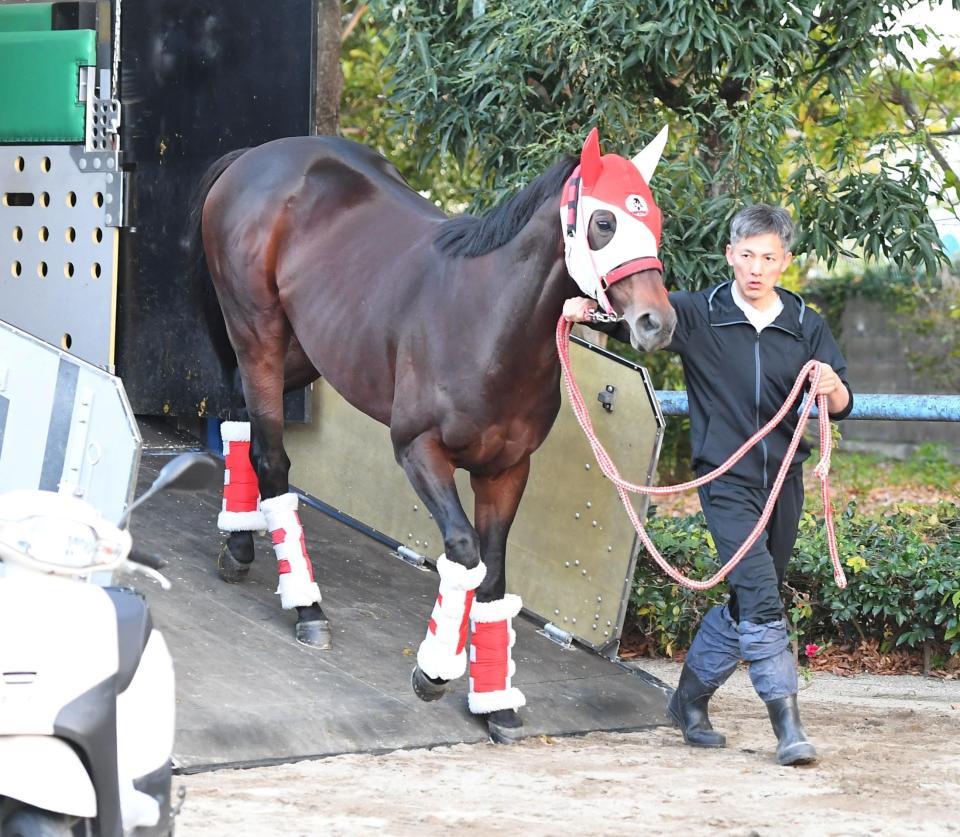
{"type": "Point", "coordinates": [760, 219]}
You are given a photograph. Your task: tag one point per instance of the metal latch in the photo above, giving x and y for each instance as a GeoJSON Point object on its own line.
{"type": "Point", "coordinates": [605, 397]}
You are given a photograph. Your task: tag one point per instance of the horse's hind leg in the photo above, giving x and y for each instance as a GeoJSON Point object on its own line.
{"type": "Point", "coordinates": [262, 371]}
{"type": "Point", "coordinates": [491, 660]}
{"type": "Point", "coordinates": [240, 516]}
{"type": "Point", "coordinates": [442, 654]}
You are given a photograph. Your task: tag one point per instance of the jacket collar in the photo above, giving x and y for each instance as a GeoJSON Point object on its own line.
{"type": "Point", "coordinates": [722, 310]}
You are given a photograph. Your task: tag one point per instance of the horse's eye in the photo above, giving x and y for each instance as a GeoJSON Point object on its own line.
{"type": "Point", "coordinates": [604, 225]}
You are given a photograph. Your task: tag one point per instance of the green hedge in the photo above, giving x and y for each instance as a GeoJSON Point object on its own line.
{"type": "Point", "coordinates": [902, 566]}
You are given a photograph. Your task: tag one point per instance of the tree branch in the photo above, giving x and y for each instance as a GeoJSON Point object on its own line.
{"type": "Point", "coordinates": [900, 96]}
{"type": "Point", "coordinates": [354, 20]}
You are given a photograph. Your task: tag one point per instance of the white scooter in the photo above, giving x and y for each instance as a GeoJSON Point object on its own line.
{"type": "Point", "coordinates": [86, 681]}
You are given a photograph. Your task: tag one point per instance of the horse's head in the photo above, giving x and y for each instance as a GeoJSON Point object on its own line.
{"type": "Point", "coordinates": [612, 235]}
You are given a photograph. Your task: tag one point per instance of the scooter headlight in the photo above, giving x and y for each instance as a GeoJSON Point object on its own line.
{"type": "Point", "coordinates": [62, 543]}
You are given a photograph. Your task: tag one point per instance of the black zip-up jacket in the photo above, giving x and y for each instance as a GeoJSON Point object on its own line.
{"type": "Point", "coordinates": [737, 378]}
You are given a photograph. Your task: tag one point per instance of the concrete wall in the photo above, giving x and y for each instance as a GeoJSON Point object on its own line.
{"type": "Point", "coordinates": [876, 361]}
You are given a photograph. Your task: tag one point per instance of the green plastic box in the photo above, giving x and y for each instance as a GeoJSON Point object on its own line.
{"type": "Point", "coordinates": [39, 83]}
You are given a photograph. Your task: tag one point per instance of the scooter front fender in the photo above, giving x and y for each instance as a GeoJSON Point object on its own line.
{"type": "Point", "coordinates": [46, 772]}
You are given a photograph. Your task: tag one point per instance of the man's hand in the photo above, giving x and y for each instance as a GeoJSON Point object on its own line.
{"type": "Point", "coordinates": [829, 380]}
{"type": "Point", "coordinates": [578, 309]}
{"type": "Point", "coordinates": [832, 387]}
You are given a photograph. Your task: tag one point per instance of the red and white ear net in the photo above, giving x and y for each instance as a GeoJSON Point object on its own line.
{"type": "Point", "coordinates": [618, 186]}
{"type": "Point", "coordinates": [241, 491]}
{"type": "Point", "coordinates": [491, 661]}
{"type": "Point", "coordinates": [442, 654]}
{"type": "Point", "coordinates": [296, 585]}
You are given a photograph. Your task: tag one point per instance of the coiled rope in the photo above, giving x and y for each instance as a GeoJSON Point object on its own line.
{"type": "Point", "coordinates": [811, 372]}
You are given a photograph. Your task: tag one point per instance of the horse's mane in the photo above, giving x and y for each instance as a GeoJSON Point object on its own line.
{"type": "Point", "coordinates": [468, 235]}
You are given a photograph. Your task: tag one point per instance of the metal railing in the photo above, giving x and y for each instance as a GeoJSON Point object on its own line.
{"type": "Point", "coordinates": [877, 406]}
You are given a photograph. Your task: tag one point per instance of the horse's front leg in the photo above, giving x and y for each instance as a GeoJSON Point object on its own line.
{"type": "Point", "coordinates": [442, 654]}
{"type": "Point", "coordinates": [491, 660]}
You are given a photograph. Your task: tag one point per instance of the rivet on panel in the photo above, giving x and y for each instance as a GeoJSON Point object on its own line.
{"type": "Point", "coordinates": [594, 626]}
{"type": "Point", "coordinates": [606, 633]}
{"type": "Point", "coordinates": [576, 516]}
{"type": "Point", "coordinates": [576, 563]}
{"type": "Point", "coordinates": [587, 466]}
{"type": "Point", "coordinates": [593, 523]}
{"type": "Point", "coordinates": [609, 549]}
{"type": "Point", "coordinates": [609, 623]}
{"type": "Point", "coordinates": [556, 612]}
{"type": "Point", "coordinates": [583, 572]}
{"type": "Point", "coordinates": [589, 504]}
{"type": "Point", "coordinates": [416, 508]}
{"type": "Point", "coordinates": [599, 598]}
{"type": "Point", "coordinates": [566, 563]}
{"type": "Point", "coordinates": [574, 620]}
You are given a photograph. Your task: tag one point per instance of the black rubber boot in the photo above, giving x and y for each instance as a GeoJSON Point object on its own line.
{"type": "Point", "coordinates": [688, 708]}
{"type": "Point", "coordinates": [792, 744]}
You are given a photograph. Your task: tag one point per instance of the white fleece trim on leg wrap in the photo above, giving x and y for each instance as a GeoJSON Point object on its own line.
{"type": "Point", "coordinates": [235, 431]}
{"type": "Point", "coordinates": [508, 696]}
{"type": "Point", "coordinates": [236, 521]}
{"type": "Point", "coordinates": [295, 587]}
{"type": "Point", "coordinates": [442, 654]}
{"type": "Point", "coordinates": [251, 521]}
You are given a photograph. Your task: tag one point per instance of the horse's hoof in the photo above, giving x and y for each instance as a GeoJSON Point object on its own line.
{"type": "Point", "coordinates": [229, 568]}
{"type": "Point", "coordinates": [505, 726]}
{"type": "Point", "coordinates": [426, 688]}
{"type": "Point", "coordinates": [315, 633]}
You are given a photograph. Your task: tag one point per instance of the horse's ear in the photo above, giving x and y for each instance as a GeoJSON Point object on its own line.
{"type": "Point", "coordinates": [646, 161]}
{"type": "Point", "coordinates": [590, 164]}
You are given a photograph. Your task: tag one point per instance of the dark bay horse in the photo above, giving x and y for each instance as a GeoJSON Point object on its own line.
{"type": "Point", "coordinates": [326, 263]}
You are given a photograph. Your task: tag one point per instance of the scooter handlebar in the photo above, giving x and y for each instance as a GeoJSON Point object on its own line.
{"type": "Point", "coordinates": [146, 559]}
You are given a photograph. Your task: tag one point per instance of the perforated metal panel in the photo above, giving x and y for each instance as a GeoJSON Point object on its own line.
{"type": "Point", "coordinates": [571, 550]}
{"type": "Point", "coordinates": [58, 252]}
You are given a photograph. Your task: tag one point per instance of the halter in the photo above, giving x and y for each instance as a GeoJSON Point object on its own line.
{"type": "Point", "coordinates": [618, 186]}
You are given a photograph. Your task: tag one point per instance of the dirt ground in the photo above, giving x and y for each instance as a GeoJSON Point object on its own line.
{"type": "Point", "coordinates": [889, 765]}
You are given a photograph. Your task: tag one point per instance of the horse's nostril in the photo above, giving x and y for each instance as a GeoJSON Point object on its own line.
{"type": "Point", "coordinates": [649, 322]}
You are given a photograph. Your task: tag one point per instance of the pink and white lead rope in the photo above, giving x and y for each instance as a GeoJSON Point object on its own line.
{"type": "Point", "coordinates": [811, 371]}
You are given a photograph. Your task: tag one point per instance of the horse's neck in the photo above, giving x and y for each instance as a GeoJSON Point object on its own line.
{"type": "Point", "coordinates": [536, 282]}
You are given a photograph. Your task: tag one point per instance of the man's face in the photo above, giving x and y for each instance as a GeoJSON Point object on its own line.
{"type": "Point", "coordinates": [758, 262]}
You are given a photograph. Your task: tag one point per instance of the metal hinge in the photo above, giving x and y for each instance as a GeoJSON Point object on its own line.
{"type": "Point", "coordinates": [558, 635]}
{"type": "Point", "coordinates": [410, 556]}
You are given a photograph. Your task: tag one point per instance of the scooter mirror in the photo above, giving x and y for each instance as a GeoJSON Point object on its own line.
{"type": "Point", "coordinates": [186, 472]}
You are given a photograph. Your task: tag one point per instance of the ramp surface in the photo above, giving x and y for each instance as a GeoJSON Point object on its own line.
{"type": "Point", "coordinates": [249, 694]}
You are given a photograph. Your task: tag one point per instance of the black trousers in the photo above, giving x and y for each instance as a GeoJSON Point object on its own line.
{"type": "Point", "coordinates": [732, 511]}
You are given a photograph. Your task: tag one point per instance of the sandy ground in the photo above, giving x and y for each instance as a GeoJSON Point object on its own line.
{"type": "Point", "coordinates": [889, 764]}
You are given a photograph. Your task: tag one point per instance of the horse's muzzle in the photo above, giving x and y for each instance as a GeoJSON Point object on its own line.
{"type": "Point", "coordinates": [653, 329]}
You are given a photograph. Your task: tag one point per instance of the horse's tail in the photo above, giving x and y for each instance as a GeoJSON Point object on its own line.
{"type": "Point", "coordinates": [198, 271]}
